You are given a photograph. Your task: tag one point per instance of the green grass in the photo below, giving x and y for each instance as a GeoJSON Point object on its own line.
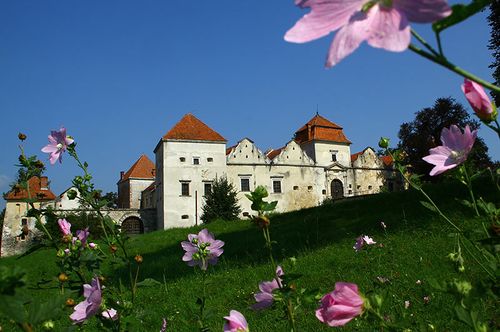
{"type": "Point", "coordinates": [321, 239]}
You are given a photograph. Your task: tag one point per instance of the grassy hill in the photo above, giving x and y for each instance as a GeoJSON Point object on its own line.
{"type": "Point", "coordinates": [414, 247]}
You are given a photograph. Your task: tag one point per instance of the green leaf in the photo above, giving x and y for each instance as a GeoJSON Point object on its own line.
{"type": "Point", "coordinates": [12, 307]}
{"type": "Point", "coordinates": [429, 206]}
{"type": "Point", "coordinates": [460, 13]}
{"type": "Point", "coordinates": [463, 315]}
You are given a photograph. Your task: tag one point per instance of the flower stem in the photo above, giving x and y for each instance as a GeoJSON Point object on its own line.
{"type": "Point", "coordinates": [441, 60]}
{"type": "Point", "coordinates": [425, 43]}
{"type": "Point", "coordinates": [291, 316]}
{"type": "Point", "coordinates": [469, 186]}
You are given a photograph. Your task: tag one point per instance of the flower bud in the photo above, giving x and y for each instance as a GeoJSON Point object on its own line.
{"type": "Point", "coordinates": [21, 136]}
{"type": "Point", "coordinates": [463, 287]}
{"type": "Point", "coordinates": [262, 221]}
{"type": "Point", "coordinates": [60, 253]}
{"type": "Point", "coordinates": [48, 325]}
{"type": "Point", "coordinates": [63, 277]}
{"type": "Point", "coordinates": [39, 164]}
{"type": "Point", "coordinates": [92, 245]}
{"type": "Point", "coordinates": [138, 259]}
{"type": "Point", "coordinates": [479, 101]}
{"type": "Point", "coordinates": [70, 302]}
{"type": "Point", "coordinates": [383, 143]}
{"type": "Point", "coordinates": [113, 248]}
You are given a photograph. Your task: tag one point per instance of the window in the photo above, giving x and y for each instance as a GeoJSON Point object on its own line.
{"type": "Point", "coordinates": [323, 191]}
{"type": "Point", "coordinates": [184, 188]}
{"type": "Point", "coordinates": [196, 160]}
{"type": "Point", "coordinates": [182, 159]}
{"type": "Point", "coordinates": [334, 154]}
{"type": "Point", "coordinates": [369, 187]}
{"type": "Point", "coordinates": [207, 188]}
{"type": "Point", "coordinates": [277, 186]}
{"type": "Point", "coordinates": [184, 216]}
{"type": "Point", "coordinates": [245, 184]}
{"type": "Point", "coordinates": [310, 188]}
{"type": "Point", "coordinates": [210, 159]}
{"type": "Point", "coordinates": [295, 187]}
{"type": "Point", "coordinates": [24, 222]}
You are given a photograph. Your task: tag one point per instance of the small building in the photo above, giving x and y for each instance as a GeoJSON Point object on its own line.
{"type": "Point", "coordinates": [19, 230]}
{"type": "Point", "coordinates": [132, 183]}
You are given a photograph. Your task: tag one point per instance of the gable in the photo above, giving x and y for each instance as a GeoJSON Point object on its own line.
{"type": "Point", "coordinates": [246, 152]}
{"type": "Point", "coordinates": [292, 154]}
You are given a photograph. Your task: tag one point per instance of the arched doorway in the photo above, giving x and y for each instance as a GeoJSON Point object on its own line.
{"type": "Point", "coordinates": [337, 189]}
{"type": "Point", "coordinates": [132, 225]}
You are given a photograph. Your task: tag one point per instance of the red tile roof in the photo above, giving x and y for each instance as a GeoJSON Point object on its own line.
{"type": "Point", "coordinates": [387, 160]}
{"type": "Point", "coordinates": [321, 129]}
{"type": "Point", "coordinates": [274, 153]}
{"type": "Point", "coordinates": [230, 149]}
{"type": "Point", "coordinates": [143, 168]}
{"type": "Point", "coordinates": [355, 156]}
{"type": "Point", "coordinates": [191, 128]}
{"type": "Point", "coordinates": [38, 188]}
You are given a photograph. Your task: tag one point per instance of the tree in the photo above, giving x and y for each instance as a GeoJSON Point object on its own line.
{"type": "Point", "coordinates": [221, 202]}
{"type": "Point", "coordinates": [420, 135]}
{"type": "Point", "coordinates": [494, 45]}
{"type": "Point", "coordinates": [112, 199]}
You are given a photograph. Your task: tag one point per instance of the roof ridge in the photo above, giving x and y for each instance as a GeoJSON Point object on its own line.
{"type": "Point", "coordinates": [190, 127]}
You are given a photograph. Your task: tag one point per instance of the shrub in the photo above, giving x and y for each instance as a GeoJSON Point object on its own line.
{"type": "Point", "coordinates": [221, 202]}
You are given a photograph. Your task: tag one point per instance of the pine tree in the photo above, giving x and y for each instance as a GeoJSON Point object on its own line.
{"type": "Point", "coordinates": [221, 202]}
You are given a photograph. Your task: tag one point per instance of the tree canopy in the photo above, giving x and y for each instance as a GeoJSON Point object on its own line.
{"type": "Point", "coordinates": [423, 133]}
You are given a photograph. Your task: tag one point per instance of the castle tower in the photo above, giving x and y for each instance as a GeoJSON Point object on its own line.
{"type": "Point", "coordinates": [131, 184]}
{"type": "Point", "coordinates": [188, 159]}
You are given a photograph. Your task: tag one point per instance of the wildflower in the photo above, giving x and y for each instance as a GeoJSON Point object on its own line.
{"type": "Point", "coordinates": [383, 280]}
{"type": "Point", "coordinates": [382, 23]}
{"type": "Point", "coordinates": [92, 245]}
{"type": "Point", "coordinates": [427, 299]}
{"type": "Point", "coordinates": [82, 235]}
{"type": "Point", "coordinates": [110, 314]}
{"type": "Point", "coordinates": [202, 249]}
{"type": "Point", "coordinates": [235, 322]}
{"type": "Point", "coordinates": [67, 251]}
{"type": "Point", "coordinates": [164, 326]}
{"type": "Point", "coordinates": [341, 305]}
{"type": "Point", "coordinates": [454, 151]}
{"type": "Point", "coordinates": [479, 101]}
{"type": "Point", "coordinates": [58, 142]}
{"type": "Point", "coordinates": [64, 226]}
{"type": "Point", "coordinates": [138, 259]}
{"type": "Point", "coordinates": [418, 282]}
{"type": "Point", "coordinates": [407, 304]}
{"type": "Point", "coordinates": [361, 241]}
{"type": "Point", "coordinates": [383, 225]}
{"type": "Point", "coordinates": [113, 248]}
{"type": "Point", "coordinates": [90, 305]}
{"type": "Point", "coordinates": [265, 297]}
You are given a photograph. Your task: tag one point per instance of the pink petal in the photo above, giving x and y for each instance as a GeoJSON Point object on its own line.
{"type": "Point", "coordinates": [348, 39]}
{"type": "Point", "coordinates": [389, 29]}
{"type": "Point", "coordinates": [423, 11]}
{"type": "Point", "coordinates": [49, 148]}
{"type": "Point", "coordinates": [325, 16]}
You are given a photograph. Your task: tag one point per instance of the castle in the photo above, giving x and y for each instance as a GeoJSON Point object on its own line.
{"type": "Point", "coordinates": [315, 166]}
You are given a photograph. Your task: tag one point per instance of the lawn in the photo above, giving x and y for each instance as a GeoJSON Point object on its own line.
{"type": "Point", "coordinates": [316, 243]}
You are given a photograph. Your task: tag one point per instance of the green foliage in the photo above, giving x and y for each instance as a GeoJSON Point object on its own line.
{"type": "Point", "coordinates": [494, 45]}
{"type": "Point", "coordinates": [257, 198]}
{"type": "Point", "coordinates": [221, 202]}
{"type": "Point", "coordinates": [460, 13]}
{"type": "Point", "coordinates": [80, 220]}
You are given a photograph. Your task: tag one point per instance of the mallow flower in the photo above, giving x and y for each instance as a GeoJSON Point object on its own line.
{"type": "Point", "coordinates": [361, 241]}
{"type": "Point", "coordinates": [479, 101]}
{"type": "Point", "coordinates": [235, 322]}
{"type": "Point", "coordinates": [202, 249]}
{"type": "Point", "coordinates": [340, 306]}
{"type": "Point", "coordinates": [265, 297]}
{"type": "Point", "coordinates": [90, 306]}
{"type": "Point", "coordinates": [64, 226]}
{"type": "Point", "coordinates": [58, 143]}
{"type": "Point", "coordinates": [110, 314]}
{"type": "Point", "coordinates": [381, 23]}
{"type": "Point", "coordinates": [454, 151]}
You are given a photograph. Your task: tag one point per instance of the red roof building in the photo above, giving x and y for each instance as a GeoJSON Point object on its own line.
{"type": "Point", "coordinates": [191, 128]}
{"type": "Point", "coordinates": [38, 189]}
{"type": "Point", "coordinates": [320, 129]}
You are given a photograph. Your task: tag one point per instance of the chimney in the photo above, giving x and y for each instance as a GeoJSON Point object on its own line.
{"type": "Point", "coordinates": [121, 175]}
{"type": "Point", "coordinates": [44, 183]}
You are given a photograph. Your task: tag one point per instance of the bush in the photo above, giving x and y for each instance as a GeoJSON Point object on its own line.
{"type": "Point", "coordinates": [221, 202]}
{"type": "Point", "coordinates": [78, 221]}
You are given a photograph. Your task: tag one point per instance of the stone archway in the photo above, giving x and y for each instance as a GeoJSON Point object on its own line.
{"type": "Point", "coordinates": [337, 189]}
{"type": "Point", "coordinates": [132, 225]}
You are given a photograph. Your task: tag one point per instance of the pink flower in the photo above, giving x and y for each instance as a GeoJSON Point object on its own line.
{"type": "Point", "coordinates": [235, 322]}
{"type": "Point", "coordinates": [202, 249]}
{"type": "Point", "coordinates": [90, 306]}
{"type": "Point", "coordinates": [64, 226]}
{"type": "Point", "coordinates": [454, 151]}
{"type": "Point", "coordinates": [82, 235]}
{"type": "Point", "coordinates": [92, 245]}
{"type": "Point", "coordinates": [383, 24]}
{"type": "Point", "coordinates": [164, 326]}
{"type": "Point", "coordinates": [361, 241]}
{"type": "Point", "coordinates": [479, 101]}
{"type": "Point", "coordinates": [265, 297]}
{"type": "Point", "coordinates": [110, 314]}
{"type": "Point", "coordinates": [58, 142]}
{"type": "Point", "coordinates": [341, 305]}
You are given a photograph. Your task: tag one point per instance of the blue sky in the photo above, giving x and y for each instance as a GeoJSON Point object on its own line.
{"type": "Point", "coordinates": [119, 74]}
